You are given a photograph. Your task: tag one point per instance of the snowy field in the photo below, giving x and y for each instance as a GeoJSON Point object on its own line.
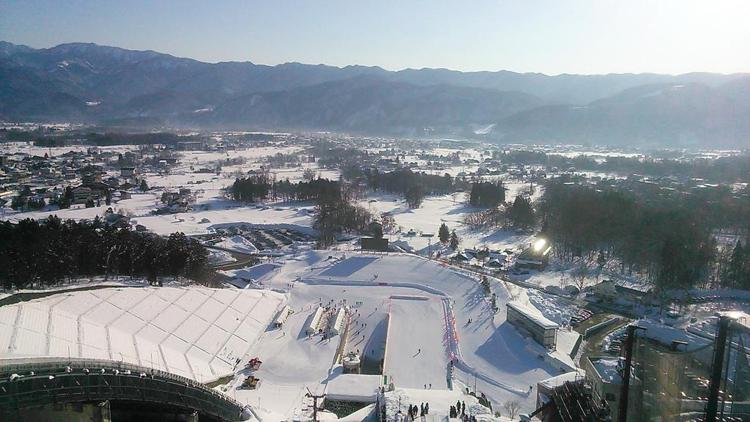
{"type": "Point", "coordinates": [210, 203]}
{"type": "Point", "coordinates": [210, 207]}
{"type": "Point", "coordinates": [219, 211]}
{"type": "Point", "coordinates": [451, 210]}
{"type": "Point", "coordinates": [195, 332]}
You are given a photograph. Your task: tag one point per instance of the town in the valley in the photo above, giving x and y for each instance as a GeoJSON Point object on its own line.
{"type": "Point", "coordinates": [308, 275]}
{"type": "Point", "coordinates": [375, 211]}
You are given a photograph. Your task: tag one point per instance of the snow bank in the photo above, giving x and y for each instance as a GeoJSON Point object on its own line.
{"type": "Point", "coordinates": [238, 244]}
{"type": "Point", "coordinates": [255, 273]}
{"type": "Point", "coordinates": [397, 404]}
{"type": "Point", "coordinates": [218, 257]}
{"type": "Point", "coordinates": [354, 387]}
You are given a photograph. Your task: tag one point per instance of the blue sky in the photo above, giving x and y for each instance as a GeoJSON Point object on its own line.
{"type": "Point", "coordinates": [549, 36]}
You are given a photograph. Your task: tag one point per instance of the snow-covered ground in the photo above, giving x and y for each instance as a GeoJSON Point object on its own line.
{"type": "Point", "coordinates": [415, 354]}
{"type": "Point", "coordinates": [397, 403]}
{"type": "Point", "coordinates": [212, 208]}
{"type": "Point", "coordinates": [199, 221]}
{"type": "Point", "coordinates": [449, 209]}
{"type": "Point", "coordinates": [414, 313]}
{"type": "Point", "coordinates": [237, 244]}
{"type": "Point", "coordinates": [418, 309]}
{"type": "Point", "coordinates": [423, 298]}
{"type": "Point", "coordinates": [219, 257]}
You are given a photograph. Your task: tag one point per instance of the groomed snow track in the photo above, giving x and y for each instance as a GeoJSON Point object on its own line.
{"type": "Point", "coordinates": [451, 340]}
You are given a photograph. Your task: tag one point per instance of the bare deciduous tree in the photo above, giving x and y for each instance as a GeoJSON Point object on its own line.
{"type": "Point", "coordinates": [579, 273]}
{"type": "Point", "coordinates": [512, 407]}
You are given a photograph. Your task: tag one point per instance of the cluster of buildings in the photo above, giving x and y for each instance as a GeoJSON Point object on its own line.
{"type": "Point", "coordinates": [533, 257]}
{"type": "Point", "coordinates": [87, 176]}
{"type": "Point", "coordinates": [180, 200]}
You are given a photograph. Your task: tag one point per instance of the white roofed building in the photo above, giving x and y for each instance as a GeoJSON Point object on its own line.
{"type": "Point", "coordinates": [534, 323]}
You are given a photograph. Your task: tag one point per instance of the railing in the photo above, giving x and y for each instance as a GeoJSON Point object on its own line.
{"type": "Point", "coordinates": [37, 381]}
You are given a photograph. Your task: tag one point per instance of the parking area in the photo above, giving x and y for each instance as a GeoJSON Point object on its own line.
{"type": "Point", "coordinates": [262, 238]}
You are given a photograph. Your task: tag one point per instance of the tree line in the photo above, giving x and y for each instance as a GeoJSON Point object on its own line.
{"type": "Point", "coordinates": [669, 242]}
{"type": "Point", "coordinates": [336, 214]}
{"type": "Point", "coordinates": [519, 215]}
{"type": "Point", "coordinates": [260, 187]}
{"type": "Point", "coordinates": [722, 169]}
{"type": "Point", "coordinates": [486, 194]}
{"type": "Point", "coordinates": [413, 186]}
{"type": "Point", "coordinates": [734, 266]}
{"type": "Point", "coordinates": [47, 252]}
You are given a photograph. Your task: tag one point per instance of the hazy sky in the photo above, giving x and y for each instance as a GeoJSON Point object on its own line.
{"type": "Point", "coordinates": [550, 36]}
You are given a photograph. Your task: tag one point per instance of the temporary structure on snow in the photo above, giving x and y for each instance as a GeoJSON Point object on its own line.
{"type": "Point", "coordinates": [282, 317]}
{"type": "Point", "coordinates": [338, 323]}
{"type": "Point", "coordinates": [314, 321]}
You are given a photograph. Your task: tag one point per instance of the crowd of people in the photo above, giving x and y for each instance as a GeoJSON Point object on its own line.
{"type": "Point", "coordinates": [418, 411]}
{"type": "Point", "coordinates": [457, 411]}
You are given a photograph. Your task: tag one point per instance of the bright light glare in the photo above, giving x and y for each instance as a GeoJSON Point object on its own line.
{"type": "Point", "coordinates": [539, 245]}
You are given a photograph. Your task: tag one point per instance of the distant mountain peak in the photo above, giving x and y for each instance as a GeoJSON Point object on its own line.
{"type": "Point", "coordinates": [61, 83]}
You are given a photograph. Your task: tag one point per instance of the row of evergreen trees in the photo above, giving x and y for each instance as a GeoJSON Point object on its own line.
{"type": "Point", "coordinates": [334, 217]}
{"type": "Point", "coordinates": [260, 187]}
{"type": "Point", "coordinates": [519, 215]}
{"type": "Point", "coordinates": [336, 214]}
{"type": "Point", "coordinates": [448, 237]}
{"type": "Point", "coordinates": [486, 194]}
{"type": "Point", "coordinates": [47, 252]}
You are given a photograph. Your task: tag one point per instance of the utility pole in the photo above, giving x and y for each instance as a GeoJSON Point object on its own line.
{"type": "Point", "coordinates": [714, 386]}
{"type": "Point", "coordinates": [622, 410]}
{"type": "Point", "coordinates": [315, 403]}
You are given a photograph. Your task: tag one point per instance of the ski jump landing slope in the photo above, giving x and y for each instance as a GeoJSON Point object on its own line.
{"type": "Point", "coordinates": [487, 348]}
{"type": "Point", "coordinates": [415, 353]}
